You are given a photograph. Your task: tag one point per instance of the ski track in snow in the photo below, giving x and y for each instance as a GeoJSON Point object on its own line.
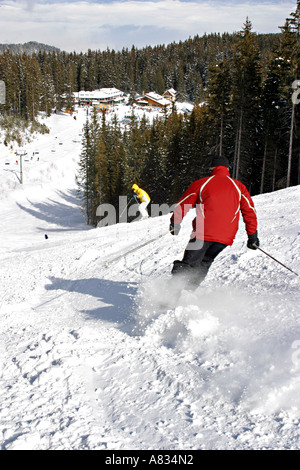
{"type": "Point", "coordinates": [90, 358]}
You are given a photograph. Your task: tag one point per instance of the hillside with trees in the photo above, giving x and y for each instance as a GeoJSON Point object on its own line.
{"type": "Point", "coordinates": [242, 88]}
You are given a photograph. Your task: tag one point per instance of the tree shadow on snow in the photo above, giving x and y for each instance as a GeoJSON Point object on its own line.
{"type": "Point", "coordinates": [65, 213]}
{"type": "Point", "coordinates": [115, 300]}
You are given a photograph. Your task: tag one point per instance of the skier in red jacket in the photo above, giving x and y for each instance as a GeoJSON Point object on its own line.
{"type": "Point", "coordinates": [218, 200]}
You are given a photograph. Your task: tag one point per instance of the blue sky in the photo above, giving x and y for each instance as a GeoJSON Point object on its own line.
{"type": "Point", "coordinates": [74, 25]}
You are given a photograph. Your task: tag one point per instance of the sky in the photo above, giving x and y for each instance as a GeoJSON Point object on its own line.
{"type": "Point", "coordinates": [73, 25]}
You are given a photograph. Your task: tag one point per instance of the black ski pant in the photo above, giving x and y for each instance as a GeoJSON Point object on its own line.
{"type": "Point", "coordinates": [197, 259]}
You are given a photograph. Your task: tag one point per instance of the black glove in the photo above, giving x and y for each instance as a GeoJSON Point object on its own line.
{"type": "Point", "coordinates": [174, 228]}
{"type": "Point", "coordinates": [253, 241]}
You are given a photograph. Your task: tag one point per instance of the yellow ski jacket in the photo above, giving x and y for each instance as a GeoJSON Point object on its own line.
{"type": "Point", "coordinates": [141, 194]}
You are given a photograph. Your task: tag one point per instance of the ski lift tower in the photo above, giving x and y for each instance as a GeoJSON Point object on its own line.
{"type": "Point", "coordinates": [21, 154]}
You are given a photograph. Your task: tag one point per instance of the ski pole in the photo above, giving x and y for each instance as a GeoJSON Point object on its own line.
{"type": "Point", "coordinates": [276, 260]}
{"type": "Point", "coordinates": [126, 207]}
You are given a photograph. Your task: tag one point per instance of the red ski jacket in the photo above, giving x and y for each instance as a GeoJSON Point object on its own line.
{"type": "Point", "coordinates": [218, 200]}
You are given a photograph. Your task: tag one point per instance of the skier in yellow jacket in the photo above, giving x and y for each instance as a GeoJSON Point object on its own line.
{"type": "Point", "coordinates": [144, 200]}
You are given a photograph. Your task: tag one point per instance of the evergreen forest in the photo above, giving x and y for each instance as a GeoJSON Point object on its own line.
{"type": "Point", "coordinates": [245, 91]}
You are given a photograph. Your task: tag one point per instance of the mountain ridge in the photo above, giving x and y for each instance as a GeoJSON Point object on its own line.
{"type": "Point", "coordinates": [29, 48]}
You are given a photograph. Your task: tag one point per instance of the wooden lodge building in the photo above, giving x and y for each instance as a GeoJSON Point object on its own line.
{"type": "Point", "coordinates": [157, 101]}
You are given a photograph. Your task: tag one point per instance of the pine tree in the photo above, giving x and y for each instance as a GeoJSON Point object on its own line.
{"type": "Point", "coordinates": [176, 164]}
{"type": "Point", "coordinates": [290, 50]}
{"type": "Point", "coordinates": [153, 176]}
{"type": "Point", "coordinates": [9, 73]}
{"type": "Point", "coordinates": [159, 83]}
{"type": "Point", "coordinates": [180, 85]}
{"type": "Point", "coordinates": [32, 86]}
{"type": "Point", "coordinates": [111, 155]}
{"type": "Point", "coordinates": [70, 86]}
{"type": "Point", "coordinates": [91, 79]}
{"type": "Point", "coordinates": [198, 136]}
{"type": "Point", "coordinates": [83, 175]}
{"type": "Point", "coordinates": [246, 109]}
{"type": "Point", "coordinates": [102, 182]}
{"type": "Point", "coordinates": [276, 105]}
{"type": "Point", "coordinates": [219, 91]}
{"type": "Point", "coordinates": [88, 173]}
{"type": "Point", "coordinates": [48, 88]}
{"type": "Point", "coordinates": [135, 157]}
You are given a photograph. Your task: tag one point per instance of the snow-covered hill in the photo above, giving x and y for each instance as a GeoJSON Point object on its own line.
{"type": "Point", "coordinates": [90, 361]}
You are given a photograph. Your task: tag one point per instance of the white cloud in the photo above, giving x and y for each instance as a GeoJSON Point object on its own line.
{"type": "Point", "coordinates": [82, 25]}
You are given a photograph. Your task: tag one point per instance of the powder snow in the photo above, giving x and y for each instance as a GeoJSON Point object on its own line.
{"type": "Point", "coordinates": [91, 360]}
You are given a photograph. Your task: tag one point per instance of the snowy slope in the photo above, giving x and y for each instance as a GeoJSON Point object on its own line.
{"type": "Point", "coordinates": [90, 360]}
